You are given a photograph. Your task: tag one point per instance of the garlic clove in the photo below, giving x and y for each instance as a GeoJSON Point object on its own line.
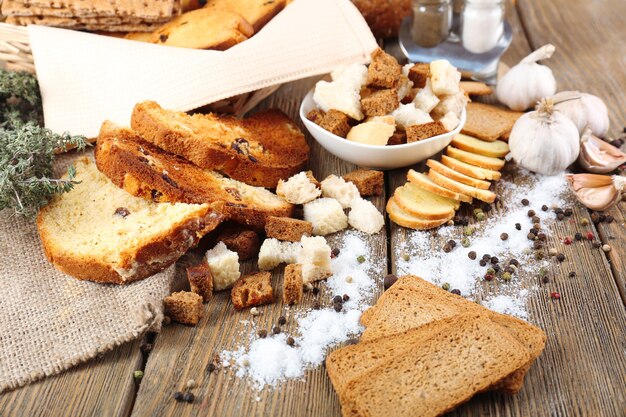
{"type": "Point", "coordinates": [585, 110]}
{"type": "Point", "coordinates": [598, 156]}
{"type": "Point", "coordinates": [597, 192]}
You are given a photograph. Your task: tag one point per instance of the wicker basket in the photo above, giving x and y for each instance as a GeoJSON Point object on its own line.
{"type": "Point", "coordinates": [16, 55]}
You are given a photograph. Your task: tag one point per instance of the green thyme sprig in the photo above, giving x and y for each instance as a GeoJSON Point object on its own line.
{"type": "Point", "coordinates": [27, 149]}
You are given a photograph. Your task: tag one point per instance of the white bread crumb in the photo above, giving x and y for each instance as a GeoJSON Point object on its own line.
{"type": "Point", "coordinates": [354, 75]}
{"type": "Point", "coordinates": [408, 114]}
{"type": "Point", "coordinates": [314, 256]}
{"type": "Point", "coordinates": [404, 87]}
{"type": "Point", "coordinates": [326, 215]}
{"type": "Point", "coordinates": [364, 216]}
{"type": "Point", "coordinates": [454, 103]}
{"type": "Point", "coordinates": [274, 252]}
{"type": "Point", "coordinates": [339, 189]}
{"type": "Point", "coordinates": [298, 189]}
{"type": "Point", "coordinates": [425, 99]}
{"type": "Point", "coordinates": [444, 78]}
{"type": "Point", "coordinates": [371, 133]}
{"type": "Point", "coordinates": [224, 265]}
{"type": "Point", "coordinates": [344, 92]}
{"type": "Point", "coordinates": [450, 121]}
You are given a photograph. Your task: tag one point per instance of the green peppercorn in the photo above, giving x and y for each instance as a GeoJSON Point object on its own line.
{"type": "Point", "coordinates": [446, 286]}
{"type": "Point", "coordinates": [506, 276]}
{"type": "Point", "coordinates": [361, 259]}
{"type": "Point", "coordinates": [465, 242]}
{"type": "Point", "coordinates": [480, 216]}
{"type": "Point", "coordinates": [491, 271]}
{"type": "Point", "coordinates": [405, 257]}
{"type": "Point", "coordinates": [468, 231]}
{"type": "Point", "coordinates": [138, 375]}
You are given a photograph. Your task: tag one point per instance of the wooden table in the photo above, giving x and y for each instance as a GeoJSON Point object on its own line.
{"type": "Point", "coordinates": [582, 371]}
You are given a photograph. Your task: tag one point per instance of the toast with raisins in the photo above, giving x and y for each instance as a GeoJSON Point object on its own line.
{"type": "Point", "coordinates": [259, 150]}
{"type": "Point", "coordinates": [147, 171]}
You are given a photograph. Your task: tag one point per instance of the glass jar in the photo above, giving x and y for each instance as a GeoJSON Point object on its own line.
{"type": "Point", "coordinates": [482, 24]}
{"type": "Point", "coordinates": [431, 22]}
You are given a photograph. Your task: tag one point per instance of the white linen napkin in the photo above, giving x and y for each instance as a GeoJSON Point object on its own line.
{"type": "Point", "coordinates": [87, 78]}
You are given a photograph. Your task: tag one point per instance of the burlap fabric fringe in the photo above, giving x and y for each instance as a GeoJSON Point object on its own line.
{"type": "Point", "coordinates": [50, 322]}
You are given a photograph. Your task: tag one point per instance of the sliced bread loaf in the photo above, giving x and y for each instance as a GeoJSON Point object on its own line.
{"type": "Point", "coordinates": [481, 161]}
{"type": "Point", "coordinates": [99, 232]}
{"type": "Point", "coordinates": [405, 219]}
{"type": "Point", "coordinates": [443, 181]}
{"type": "Point", "coordinates": [259, 150]}
{"type": "Point", "coordinates": [423, 181]}
{"type": "Point", "coordinates": [457, 176]}
{"type": "Point", "coordinates": [146, 171]}
{"type": "Point", "coordinates": [423, 204]}
{"type": "Point", "coordinates": [496, 149]}
{"type": "Point", "coordinates": [450, 365]}
{"type": "Point", "coordinates": [470, 170]}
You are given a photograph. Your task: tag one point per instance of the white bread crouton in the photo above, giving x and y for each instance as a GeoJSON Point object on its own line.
{"type": "Point", "coordinates": [371, 133]}
{"type": "Point", "coordinates": [450, 121]}
{"type": "Point", "coordinates": [224, 265]}
{"type": "Point", "coordinates": [364, 216]}
{"type": "Point", "coordinates": [425, 99]}
{"type": "Point", "coordinates": [314, 256]}
{"type": "Point", "coordinates": [326, 215]}
{"type": "Point", "coordinates": [298, 189]}
{"type": "Point", "coordinates": [354, 75]}
{"type": "Point", "coordinates": [274, 252]}
{"type": "Point", "coordinates": [404, 87]}
{"type": "Point", "coordinates": [444, 77]}
{"type": "Point", "coordinates": [408, 114]}
{"type": "Point", "coordinates": [454, 103]}
{"type": "Point", "coordinates": [339, 189]}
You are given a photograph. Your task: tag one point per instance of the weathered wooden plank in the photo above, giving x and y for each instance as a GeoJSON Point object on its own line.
{"type": "Point", "coordinates": [181, 353]}
{"type": "Point", "coordinates": [101, 387]}
{"type": "Point", "coordinates": [574, 364]}
{"type": "Point", "coordinates": [614, 235]}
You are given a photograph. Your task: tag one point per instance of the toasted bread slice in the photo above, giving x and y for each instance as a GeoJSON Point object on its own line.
{"type": "Point", "coordinates": [457, 176]}
{"type": "Point", "coordinates": [496, 149]}
{"type": "Point", "coordinates": [483, 195]}
{"type": "Point", "coordinates": [404, 219]}
{"type": "Point", "coordinates": [423, 181]}
{"type": "Point", "coordinates": [488, 122]}
{"type": "Point", "coordinates": [99, 232]}
{"type": "Point", "coordinates": [204, 29]}
{"type": "Point", "coordinates": [259, 150]}
{"type": "Point", "coordinates": [256, 12]}
{"type": "Point", "coordinates": [470, 170]}
{"type": "Point", "coordinates": [474, 159]}
{"type": "Point", "coordinates": [423, 204]}
{"type": "Point", "coordinates": [396, 311]}
{"type": "Point", "coordinates": [146, 171]}
{"type": "Point", "coordinates": [427, 383]}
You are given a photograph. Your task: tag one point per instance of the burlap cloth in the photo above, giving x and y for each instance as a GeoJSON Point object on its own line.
{"type": "Point", "coordinates": [49, 321]}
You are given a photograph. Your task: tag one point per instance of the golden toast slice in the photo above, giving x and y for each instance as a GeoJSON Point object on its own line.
{"type": "Point", "coordinates": [470, 170]}
{"type": "Point", "coordinates": [257, 12]}
{"type": "Point", "coordinates": [474, 159]}
{"type": "Point", "coordinates": [496, 149]}
{"type": "Point", "coordinates": [259, 150]}
{"type": "Point", "coordinates": [404, 219]}
{"type": "Point", "coordinates": [423, 204]}
{"type": "Point", "coordinates": [423, 181]}
{"type": "Point", "coordinates": [457, 176]}
{"type": "Point", "coordinates": [483, 195]}
{"type": "Point", "coordinates": [146, 171]}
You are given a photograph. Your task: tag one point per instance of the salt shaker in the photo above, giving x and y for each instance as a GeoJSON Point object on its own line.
{"type": "Point", "coordinates": [431, 22]}
{"type": "Point", "coordinates": [482, 24]}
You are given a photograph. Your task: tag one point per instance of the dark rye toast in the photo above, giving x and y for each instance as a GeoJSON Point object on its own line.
{"type": "Point", "coordinates": [412, 302]}
{"type": "Point", "coordinates": [259, 150]}
{"type": "Point", "coordinates": [146, 171]}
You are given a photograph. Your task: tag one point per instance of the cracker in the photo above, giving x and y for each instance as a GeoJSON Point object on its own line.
{"type": "Point", "coordinates": [137, 8]}
{"type": "Point", "coordinates": [475, 88]}
{"type": "Point", "coordinates": [488, 122]}
{"type": "Point", "coordinates": [20, 8]}
{"type": "Point", "coordinates": [71, 24]}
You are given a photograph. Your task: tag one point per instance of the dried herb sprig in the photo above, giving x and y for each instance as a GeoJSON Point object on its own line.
{"type": "Point", "coordinates": [27, 149]}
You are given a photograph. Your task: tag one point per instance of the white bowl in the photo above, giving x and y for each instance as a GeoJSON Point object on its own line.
{"type": "Point", "coordinates": [373, 156]}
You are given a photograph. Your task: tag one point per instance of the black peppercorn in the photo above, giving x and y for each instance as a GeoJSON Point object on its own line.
{"type": "Point", "coordinates": [352, 341]}
{"type": "Point", "coordinates": [595, 217]}
{"type": "Point", "coordinates": [514, 262]}
{"type": "Point", "coordinates": [316, 290]}
{"type": "Point", "coordinates": [346, 297]}
{"type": "Point", "coordinates": [542, 237]}
{"type": "Point", "coordinates": [456, 291]}
{"type": "Point", "coordinates": [536, 219]}
{"type": "Point", "coordinates": [178, 396]}
{"type": "Point", "coordinates": [558, 210]}
{"type": "Point", "coordinates": [525, 202]}
{"type": "Point", "coordinates": [534, 231]}
{"type": "Point", "coordinates": [486, 208]}
{"type": "Point", "coordinates": [568, 212]}
{"type": "Point", "coordinates": [337, 299]}
{"type": "Point", "coordinates": [545, 279]}
{"type": "Point", "coordinates": [531, 236]}
{"type": "Point", "coordinates": [578, 236]}
{"type": "Point", "coordinates": [338, 307]}
{"type": "Point", "coordinates": [560, 257]}
{"type": "Point", "coordinates": [482, 262]}
{"type": "Point", "coordinates": [602, 218]}
{"type": "Point", "coordinates": [276, 330]}
{"type": "Point", "coordinates": [509, 269]}
{"type": "Point", "coordinates": [188, 397]}
{"type": "Point", "coordinates": [504, 236]}
{"type": "Point", "coordinates": [531, 213]}
{"type": "Point", "coordinates": [334, 253]}
{"type": "Point", "coordinates": [560, 216]}
{"type": "Point", "coordinates": [211, 367]}
{"type": "Point", "coordinates": [471, 255]}
{"type": "Point", "coordinates": [262, 333]}
{"type": "Point", "coordinates": [447, 248]}
{"type": "Point", "coordinates": [609, 219]}
{"type": "Point", "coordinates": [518, 226]}
{"type": "Point", "coordinates": [544, 208]}
{"type": "Point", "coordinates": [494, 260]}
{"type": "Point", "coordinates": [316, 306]}
{"type": "Point", "coordinates": [538, 244]}
{"type": "Point", "coordinates": [452, 243]}
{"type": "Point", "coordinates": [389, 281]}
{"type": "Point", "coordinates": [596, 244]}
{"type": "Point", "coordinates": [496, 268]}
{"type": "Point", "coordinates": [572, 274]}
{"type": "Point", "coordinates": [486, 257]}
{"type": "Point", "coordinates": [282, 320]}
{"type": "Point", "coordinates": [290, 341]}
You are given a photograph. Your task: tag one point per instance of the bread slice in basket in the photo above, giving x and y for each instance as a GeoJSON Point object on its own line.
{"type": "Point", "coordinates": [99, 232]}
{"type": "Point", "coordinates": [258, 150]}
{"type": "Point", "coordinates": [447, 365]}
{"type": "Point", "coordinates": [457, 176]}
{"type": "Point", "coordinates": [423, 204]}
{"type": "Point", "coordinates": [470, 170]}
{"type": "Point", "coordinates": [405, 219]}
{"type": "Point", "coordinates": [146, 171]}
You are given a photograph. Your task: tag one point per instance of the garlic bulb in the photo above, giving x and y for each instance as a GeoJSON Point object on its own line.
{"type": "Point", "coordinates": [527, 82]}
{"type": "Point", "coordinates": [597, 155]}
{"type": "Point", "coordinates": [597, 192]}
{"type": "Point", "coordinates": [544, 141]}
{"type": "Point", "coordinates": [585, 111]}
